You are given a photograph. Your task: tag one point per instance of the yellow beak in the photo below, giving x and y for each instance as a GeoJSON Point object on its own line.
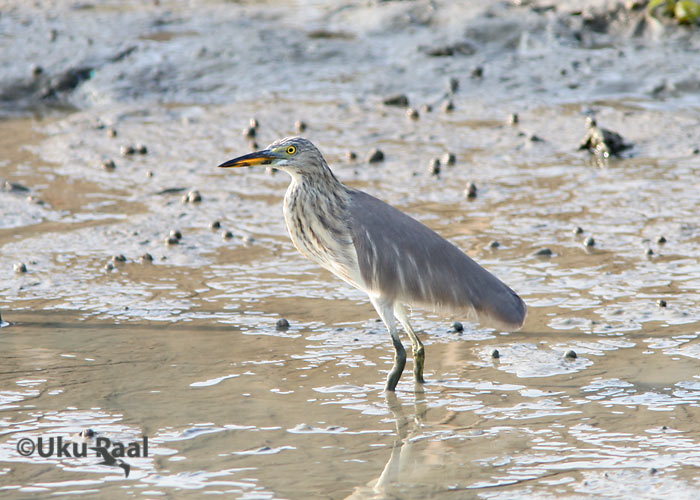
{"type": "Point", "coordinates": [264, 157]}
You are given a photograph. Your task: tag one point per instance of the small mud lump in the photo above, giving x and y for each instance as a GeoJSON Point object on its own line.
{"type": "Point", "coordinates": [434, 166]}
{"type": "Point", "coordinates": [127, 150]}
{"type": "Point", "coordinates": [109, 165]}
{"type": "Point", "coordinates": [452, 84]}
{"type": "Point", "coordinates": [601, 141]}
{"type": "Point", "coordinates": [543, 252]}
{"type": "Point", "coordinates": [375, 156]}
{"type": "Point", "coordinates": [193, 197]}
{"type": "Point", "coordinates": [470, 190]}
{"type": "Point", "coordinates": [14, 187]}
{"type": "Point", "coordinates": [449, 159]}
{"type": "Point", "coordinates": [447, 106]}
{"type": "Point", "coordinates": [461, 48]}
{"type": "Point", "coordinates": [399, 100]}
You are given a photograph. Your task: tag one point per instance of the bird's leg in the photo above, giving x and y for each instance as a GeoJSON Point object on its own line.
{"type": "Point", "coordinates": [386, 312]}
{"type": "Point", "coordinates": [417, 345]}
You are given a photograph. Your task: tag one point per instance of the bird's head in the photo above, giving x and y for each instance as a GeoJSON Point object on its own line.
{"type": "Point", "coordinates": [296, 155]}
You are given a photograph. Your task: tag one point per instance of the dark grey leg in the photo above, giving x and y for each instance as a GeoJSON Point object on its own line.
{"type": "Point", "coordinates": [386, 312]}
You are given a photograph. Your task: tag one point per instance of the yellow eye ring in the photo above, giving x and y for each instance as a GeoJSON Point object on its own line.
{"type": "Point", "coordinates": [291, 150]}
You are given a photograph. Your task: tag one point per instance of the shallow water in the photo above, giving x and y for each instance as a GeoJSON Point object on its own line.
{"type": "Point", "coordinates": [184, 349]}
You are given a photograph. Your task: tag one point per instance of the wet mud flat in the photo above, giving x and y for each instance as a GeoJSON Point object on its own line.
{"type": "Point", "coordinates": [596, 397]}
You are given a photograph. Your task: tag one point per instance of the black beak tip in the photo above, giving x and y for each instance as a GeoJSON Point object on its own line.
{"type": "Point", "coordinates": [226, 164]}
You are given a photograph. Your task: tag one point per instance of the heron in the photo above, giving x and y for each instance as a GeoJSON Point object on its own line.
{"type": "Point", "coordinates": [396, 260]}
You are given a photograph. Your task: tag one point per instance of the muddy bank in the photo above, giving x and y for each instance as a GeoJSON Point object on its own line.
{"type": "Point", "coordinates": [90, 54]}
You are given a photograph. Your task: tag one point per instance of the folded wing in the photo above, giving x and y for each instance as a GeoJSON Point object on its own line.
{"type": "Point", "coordinates": [405, 261]}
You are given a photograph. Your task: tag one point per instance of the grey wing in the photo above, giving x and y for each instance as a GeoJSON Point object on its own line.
{"type": "Point", "coordinates": [405, 261]}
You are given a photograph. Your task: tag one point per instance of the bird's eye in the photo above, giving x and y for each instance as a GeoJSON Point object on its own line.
{"type": "Point", "coordinates": [291, 150]}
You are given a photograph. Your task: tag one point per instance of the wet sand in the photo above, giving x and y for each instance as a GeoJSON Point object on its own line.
{"type": "Point", "coordinates": [184, 349]}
